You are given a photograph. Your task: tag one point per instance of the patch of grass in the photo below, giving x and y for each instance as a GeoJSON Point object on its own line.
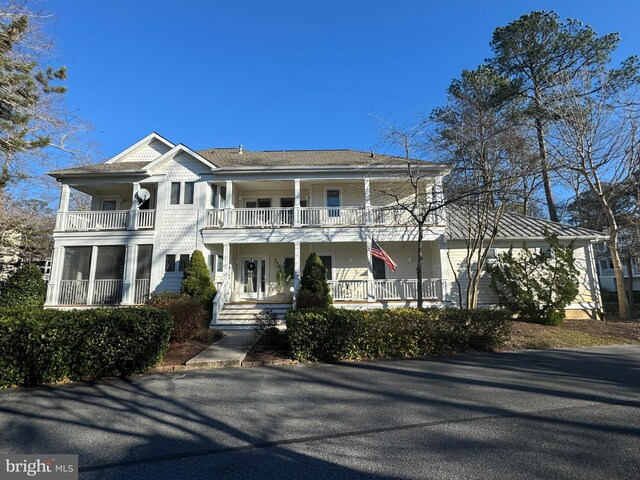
{"type": "Point", "coordinates": [572, 334]}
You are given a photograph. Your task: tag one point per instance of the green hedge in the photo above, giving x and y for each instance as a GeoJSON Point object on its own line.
{"type": "Point", "coordinates": [339, 334]}
{"type": "Point", "coordinates": [41, 346]}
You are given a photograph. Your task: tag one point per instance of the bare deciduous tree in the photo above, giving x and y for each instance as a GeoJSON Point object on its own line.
{"type": "Point", "coordinates": [595, 137]}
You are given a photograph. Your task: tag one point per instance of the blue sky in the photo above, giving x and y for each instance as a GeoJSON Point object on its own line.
{"type": "Point", "coordinates": [280, 74]}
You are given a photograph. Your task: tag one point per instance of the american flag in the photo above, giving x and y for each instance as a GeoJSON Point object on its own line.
{"type": "Point", "coordinates": [378, 252]}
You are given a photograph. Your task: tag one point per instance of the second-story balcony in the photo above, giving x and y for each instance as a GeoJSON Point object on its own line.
{"type": "Point", "coordinates": [105, 220]}
{"type": "Point", "coordinates": [310, 217]}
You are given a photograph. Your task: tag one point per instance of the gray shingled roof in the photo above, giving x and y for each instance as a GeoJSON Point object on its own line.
{"type": "Point", "coordinates": [229, 158]}
{"type": "Point", "coordinates": [118, 167]}
{"type": "Point", "coordinates": [513, 225]}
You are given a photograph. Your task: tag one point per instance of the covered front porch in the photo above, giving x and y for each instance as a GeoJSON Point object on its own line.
{"type": "Point", "coordinates": [252, 272]}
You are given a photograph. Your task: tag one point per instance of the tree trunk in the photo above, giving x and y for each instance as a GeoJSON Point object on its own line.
{"type": "Point", "coordinates": [546, 180]}
{"type": "Point", "coordinates": [419, 266]}
{"type": "Point", "coordinates": [632, 306]}
{"type": "Point", "coordinates": [623, 304]}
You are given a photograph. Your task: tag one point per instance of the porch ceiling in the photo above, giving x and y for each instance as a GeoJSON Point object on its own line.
{"type": "Point", "coordinates": [109, 188]}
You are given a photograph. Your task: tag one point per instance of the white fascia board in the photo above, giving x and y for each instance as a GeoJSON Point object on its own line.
{"type": "Point", "coordinates": [331, 168]}
{"type": "Point", "coordinates": [146, 140]}
{"type": "Point", "coordinates": [176, 151]}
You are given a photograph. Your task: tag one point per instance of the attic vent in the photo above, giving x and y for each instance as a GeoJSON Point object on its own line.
{"type": "Point", "coordinates": [240, 149]}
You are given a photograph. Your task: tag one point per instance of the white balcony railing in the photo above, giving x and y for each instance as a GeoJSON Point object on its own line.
{"type": "Point", "coordinates": [261, 217]}
{"type": "Point", "coordinates": [308, 217]}
{"type": "Point", "coordinates": [144, 219]}
{"type": "Point", "coordinates": [105, 220]}
{"type": "Point", "coordinates": [328, 216]}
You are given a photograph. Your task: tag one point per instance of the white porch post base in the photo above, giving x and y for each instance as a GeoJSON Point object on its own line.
{"type": "Point", "coordinates": [444, 270]}
{"type": "Point", "coordinates": [371, 293]}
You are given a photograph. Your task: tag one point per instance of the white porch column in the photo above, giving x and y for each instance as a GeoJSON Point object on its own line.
{"type": "Point", "coordinates": [63, 207]}
{"type": "Point", "coordinates": [226, 270]}
{"type": "Point", "coordinates": [371, 293]}
{"type": "Point", "coordinates": [444, 269]}
{"type": "Point", "coordinates": [228, 206]}
{"type": "Point", "coordinates": [92, 274]}
{"type": "Point", "coordinates": [296, 267]}
{"type": "Point", "coordinates": [296, 202]}
{"type": "Point", "coordinates": [133, 211]}
{"type": "Point", "coordinates": [367, 201]}
{"type": "Point", "coordinates": [129, 274]}
{"type": "Point", "coordinates": [53, 287]}
{"type": "Point", "coordinates": [438, 199]}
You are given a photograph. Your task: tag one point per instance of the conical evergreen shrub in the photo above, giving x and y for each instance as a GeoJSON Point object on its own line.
{"type": "Point", "coordinates": [314, 289]}
{"type": "Point", "coordinates": [196, 281]}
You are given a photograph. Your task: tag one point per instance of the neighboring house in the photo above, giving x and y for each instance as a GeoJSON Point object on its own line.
{"type": "Point", "coordinates": [10, 253]}
{"type": "Point", "coordinates": [605, 266]}
{"type": "Point", "coordinates": [156, 202]}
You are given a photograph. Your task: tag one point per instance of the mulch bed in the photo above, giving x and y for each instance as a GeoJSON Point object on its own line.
{"type": "Point", "coordinates": [270, 349]}
{"type": "Point", "coordinates": [180, 353]}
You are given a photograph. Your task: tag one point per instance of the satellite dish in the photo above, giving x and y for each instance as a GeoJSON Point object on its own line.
{"type": "Point", "coordinates": [142, 195]}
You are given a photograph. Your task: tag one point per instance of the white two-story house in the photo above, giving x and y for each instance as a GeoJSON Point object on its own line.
{"type": "Point", "coordinates": [156, 202]}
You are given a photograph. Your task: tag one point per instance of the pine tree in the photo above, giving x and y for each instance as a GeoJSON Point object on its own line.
{"type": "Point", "coordinates": [25, 88]}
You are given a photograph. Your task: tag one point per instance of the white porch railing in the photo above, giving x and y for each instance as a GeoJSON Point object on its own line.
{"type": "Point", "coordinates": [223, 295]}
{"type": "Point", "coordinates": [73, 292]}
{"type": "Point", "coordinates": [107, 292]}
{"type": "Point", "coordinates": [348, 289]}
{"type": "Point", "coordinates": [141, 291]}
{"type": "Point", "coordinates": [104, 220]}
{"type": "Point", "coordinates": [406, 289]}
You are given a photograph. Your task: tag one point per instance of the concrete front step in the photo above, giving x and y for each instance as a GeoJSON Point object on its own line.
{"type": "Point", "coordinates": [236, 316]}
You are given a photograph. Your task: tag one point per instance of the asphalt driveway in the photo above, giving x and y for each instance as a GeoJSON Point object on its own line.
{"type": "Point", "coordinates": [529, 414]}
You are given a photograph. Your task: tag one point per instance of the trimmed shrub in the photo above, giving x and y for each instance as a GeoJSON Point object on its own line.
{"type": "Point", "coordinates": [190, 318]}
{"type": "Point", "coordinates": [25, 288]}
{"type": "Point", "coordinates": [41, 346]}
{"type": "Point", "coordinates": [536, 285]}
{"type": "Point", "coordinates": [314, 289]}
{"type": "Point", "coordinates": [196, 281]}
{"type": "Point", "coordinates": [340, 334]}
